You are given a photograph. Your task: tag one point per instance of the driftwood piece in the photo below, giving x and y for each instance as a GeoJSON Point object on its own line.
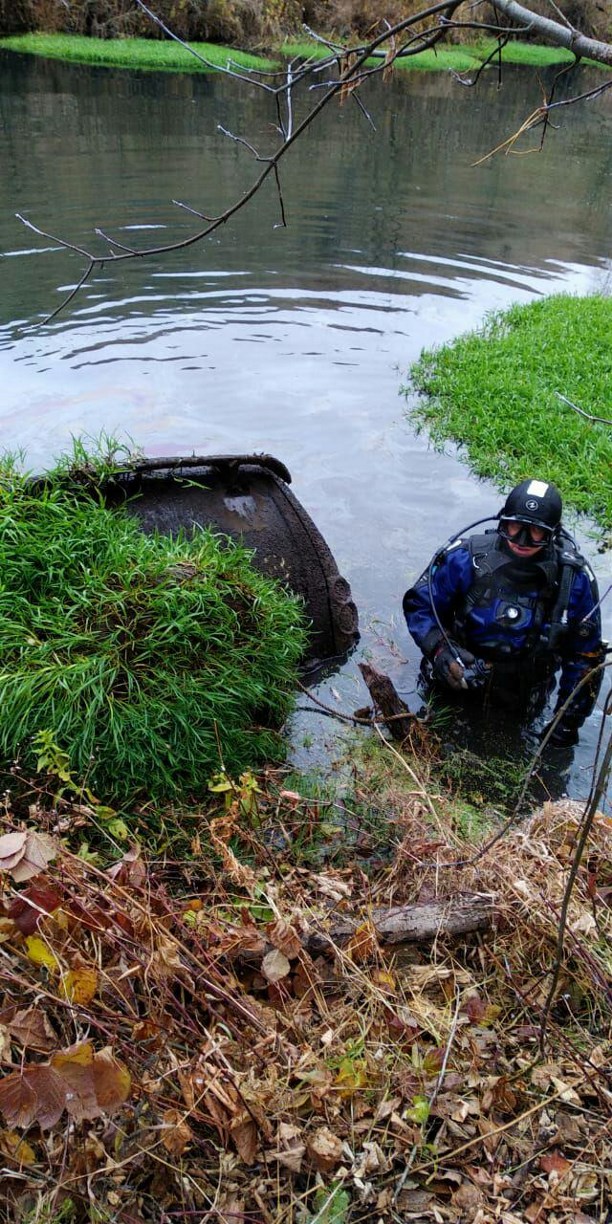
{"type": "Point", "coordinates": [413, 923]}
{"type": "Point", "coordinates": [399, 924]}
{"type": "Point", "coordinates": [387, 699]}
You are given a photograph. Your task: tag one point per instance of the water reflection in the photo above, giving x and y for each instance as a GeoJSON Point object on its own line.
{"type": "Point", "coordinates": [287, 341]}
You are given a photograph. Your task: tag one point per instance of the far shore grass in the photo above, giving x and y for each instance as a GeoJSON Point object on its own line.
{"type": "Point", "coordinates": [496, 392]}
{"type": "Point", "coordinates": [137, 53]}
{"type": "Point", "coordinates": [169, 56]}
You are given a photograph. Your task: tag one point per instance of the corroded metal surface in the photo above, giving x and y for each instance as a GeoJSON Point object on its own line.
{"type": "Point", "coordinates": [248, 497]}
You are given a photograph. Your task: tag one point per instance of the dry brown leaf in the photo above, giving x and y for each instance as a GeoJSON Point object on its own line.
{"type": "Point", "coordinates": [5, 1045]}
{"type": "Point", "coordinates": [177, 1133]}
{"type": "Point", "coordinates": [566, 1091]}
{"type": "Point", "coordinates": [94, 1083]}
{"type": "Point", "coordinates": [165, 961]}
{"type": "Point", "coordinates": [554, 1162]}
{"type": "Point", "coordinates": [12, 847]}
{"type": "Point", "coordinates": [292, 1159]}
{"type": "Point", "coordinates": [291, 1148]}
{"type": "Point", "coordinates": [40, 849]}
{"type": "Point", "coordinates": [17, 1100]}
{"type": "Point", "coordinates": [275, 966]}
{"type": "Point", "coordinates": [32, 1094]}
{"type": "Point", "coordinates": [130, 869]}
{"type": "Point", "coordinates": [240, 941]}
{"type": "Point", "coordinates": [7, 929]}
{"type": "Point", "coordinates": [325, 1149]}
{"type": "Point", "coordinates": [231, 1208]}
{"type": "Point", "coordinates": [32, 904]}
{"type": "Point", "coordinates": [75, 1066]}
{"type": "Point", "coordinates": [112, 1080]}
{"type": "Point", "coordinates": [244, 1134]}
{"type": "Point", "coordinates": [468, 1199]}
{"type": "Point", "coordinates": [490, 1133]}
{"type": "Point", "coordinates": [285, 938]}
{"type": "Point", "coordinates": [363, 944]}
{"type": "Point", "coordinates": [32, 1029]}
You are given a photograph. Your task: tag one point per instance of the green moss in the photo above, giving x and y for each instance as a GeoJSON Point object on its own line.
{"type": "Point", "coordinates": [142, 53]}
{"type": "Point", "coordinates": [494, 392]}
{"type": "Point", "coordinates": [150, 661]}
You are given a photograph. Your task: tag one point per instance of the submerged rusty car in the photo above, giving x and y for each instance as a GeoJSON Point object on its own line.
{"type": "Point", "coordinates": [247, 497]}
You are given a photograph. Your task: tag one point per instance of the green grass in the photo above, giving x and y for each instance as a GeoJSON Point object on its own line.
{"type": "Point", "coordinates": [169, 56]}
{"type": "Point", "coordinates": [532, 54]}
{"type": "Point", "coordinates": [150, 661]}
{"type": "Point", "coordinates": [142, 53]}
{"type": "Point", "coordinates": [493, 392]}
{"type": "Point", "coordinates": [460, 59]}
{"type": "Point", "coordinates": [464, 58]}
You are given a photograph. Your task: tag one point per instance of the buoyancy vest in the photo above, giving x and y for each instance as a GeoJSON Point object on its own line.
{"type": "Point", "coordinates": [515, 610]}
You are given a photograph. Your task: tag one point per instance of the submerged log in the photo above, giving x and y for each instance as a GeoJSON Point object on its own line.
{"type": "Point", "coordinates": [387, 699]}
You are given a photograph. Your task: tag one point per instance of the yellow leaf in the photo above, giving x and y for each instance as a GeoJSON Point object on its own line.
{"type": "Point", "coordinates": [79, 1055]}
{"type": "Point", "coordinates": [80, 984]}
{"type": "Point", "coordinates": [384, 979]}
{"type": "Point", "coordinates": [40, 953]}
{"type": "Point", "coordinates": [352, 1077]}
{"type": "Point", "coordinates": [16, 1148]}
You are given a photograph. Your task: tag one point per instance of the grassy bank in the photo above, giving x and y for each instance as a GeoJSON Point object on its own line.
{"type": "Point", "coordinates": [135, 53]}
{"type": "Point", "coordinates": [494, 392]}
{"type": "Point", "coordinates": [153, 55]}
{"type": "Point", "coordinates": [150, 662]}
{"type": "Point", "coordinates": [462, 57]}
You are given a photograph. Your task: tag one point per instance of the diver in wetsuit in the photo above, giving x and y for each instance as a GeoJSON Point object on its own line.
{"type": "Point", "coordinates": [498, 614]}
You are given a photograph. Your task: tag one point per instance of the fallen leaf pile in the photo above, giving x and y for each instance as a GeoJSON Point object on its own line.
{"type": "Point", "coordinates": [171, 1051]}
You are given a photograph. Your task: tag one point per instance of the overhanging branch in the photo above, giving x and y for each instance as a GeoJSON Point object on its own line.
{"type": "Point", "coordinates": [352, 68]}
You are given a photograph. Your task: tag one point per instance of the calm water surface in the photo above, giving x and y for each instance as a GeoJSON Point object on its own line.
{"type": "Point", "coordinates": [293, 341]}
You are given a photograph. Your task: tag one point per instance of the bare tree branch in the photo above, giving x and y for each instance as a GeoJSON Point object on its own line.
{"type": "Point", "coordinates": [590, 811]}
{"type": "Point", "coordinates": [579, 44]}
{"type": "Point", "coordinates": [350, 68]}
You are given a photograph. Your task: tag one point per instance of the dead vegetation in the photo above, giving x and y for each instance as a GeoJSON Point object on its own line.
{"type": "Point", "coordinates": [171, 1050]}
{"type": "Point", "coordinates": [261, 23]}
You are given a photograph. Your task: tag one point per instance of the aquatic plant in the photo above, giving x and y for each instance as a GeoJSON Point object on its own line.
{"type": "Point", "coordinates": [151, 661]}
{"type": "Point", "coordinates": [497, 392]}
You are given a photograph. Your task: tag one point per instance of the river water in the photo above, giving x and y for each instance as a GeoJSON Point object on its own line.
{"type": "Point", "coordinates": [293, 341]}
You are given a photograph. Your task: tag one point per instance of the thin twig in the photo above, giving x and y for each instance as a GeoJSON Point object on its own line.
{"type": "Point", "coordinates": [587, 415]}
{"type": "Point", "coordinates": [240, 76]}
{"type": "Point", "coordinates": [587, 824]}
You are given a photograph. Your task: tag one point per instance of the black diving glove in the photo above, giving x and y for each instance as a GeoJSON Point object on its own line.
{"type": "Point", "coordinates": [565, 734]}
{"type": "Point", "coordinates": [449, 663]}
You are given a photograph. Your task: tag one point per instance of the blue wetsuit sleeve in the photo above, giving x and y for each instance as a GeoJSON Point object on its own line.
{"type": "Point", "coordinates": [450, 579]}
{"type": "Point", "coordinates": [581, 651]}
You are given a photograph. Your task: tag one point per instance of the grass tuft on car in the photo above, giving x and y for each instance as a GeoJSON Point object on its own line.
{"type": "Point", "coordinates": [153, 662]}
